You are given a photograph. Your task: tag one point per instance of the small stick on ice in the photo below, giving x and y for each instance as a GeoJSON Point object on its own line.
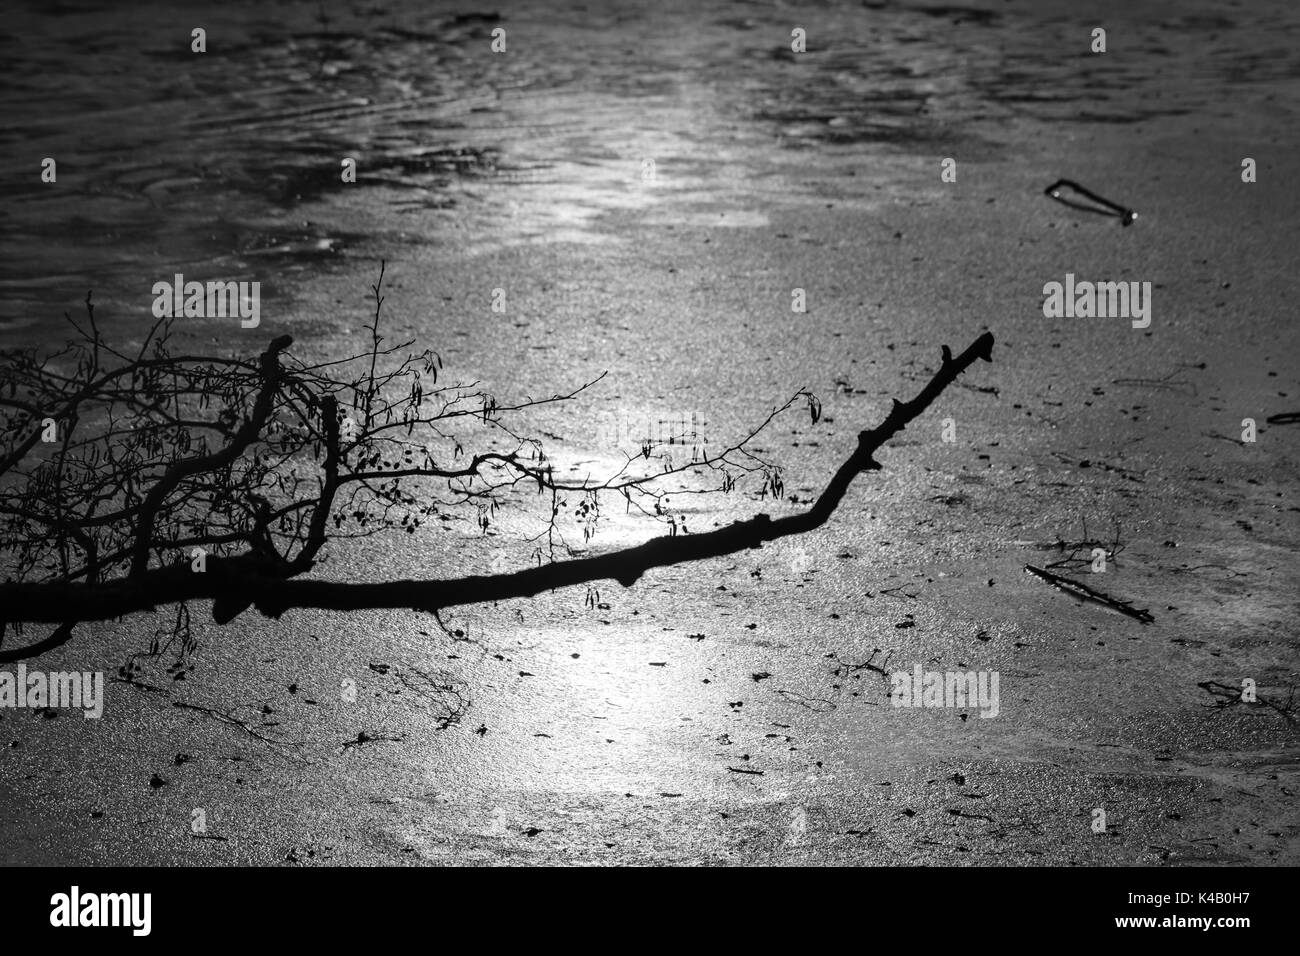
{"type": "Point", "coordinates": [1126, 216]}
{"type": "Point", "coordinates": [1085, 593]}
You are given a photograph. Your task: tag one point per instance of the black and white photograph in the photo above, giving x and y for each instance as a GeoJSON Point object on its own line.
{"type": "Point", "coordinates": [597, 434]}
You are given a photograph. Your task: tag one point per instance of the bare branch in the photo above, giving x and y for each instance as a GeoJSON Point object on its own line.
{"type": "Point", "coordinates": [246, 581]}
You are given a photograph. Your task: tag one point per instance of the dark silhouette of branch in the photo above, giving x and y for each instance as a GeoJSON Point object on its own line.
{"type": "Point", "coordinates": [1084, 593]}
{"type": "Point", "coordinates": [248, 433]}
{"type": "Point", "coordinates": [58, 637]}
{"type": "Point", "coordinates": [246, 580]}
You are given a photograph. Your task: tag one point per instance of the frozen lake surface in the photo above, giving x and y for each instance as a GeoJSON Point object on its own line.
{"type": "Point", "coordinates": [648, 184]}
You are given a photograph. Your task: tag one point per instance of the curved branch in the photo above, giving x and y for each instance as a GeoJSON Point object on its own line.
{"type": "Point", "coordinates": [246, 579]}
{"type": "Point", "coordinates": [58, 637]}
{"type": "Point", "coordinates": [247, 434]}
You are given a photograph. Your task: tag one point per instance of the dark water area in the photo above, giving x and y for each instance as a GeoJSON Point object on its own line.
{"type": "Point", "coordinates": [226, 164]}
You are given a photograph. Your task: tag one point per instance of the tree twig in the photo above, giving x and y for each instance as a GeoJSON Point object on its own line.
{"type": "Point", "coordinates": [1085, 593]}
{"type": "Point", "coordinates": [239, 581]}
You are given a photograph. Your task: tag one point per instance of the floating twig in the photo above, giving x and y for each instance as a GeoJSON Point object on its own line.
{"type": "Point", "coordinates": [847, 669]}
{"type": "Point", "coordinates": [953, 811]}
{"type": "Point", "coordinates": [982, 389]}
{"type": "Point", "coordinates": [1085, 593]}
{"type": "Point", "coordinates": [1086, 544]}
{"type": "Point", "coordinates": [1126, 216]}
{"type": "Point", "coordinates": [816, 704]}
{"type": "Point", "coordinates": [1228, 696]}
{"type": "Point", "coordinates": [899, 591]}
{"type": "Point", "coordinates": [365, 738]}
{"type": "Point", "coordinates": [224, 717]}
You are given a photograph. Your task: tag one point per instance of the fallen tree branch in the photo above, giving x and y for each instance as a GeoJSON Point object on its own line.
{"type": "Point", "coordinates": [1229, 696]}
{"type": "Point", "coordinates": [1085, 593]}
{"type": "Point", "coordinates": [214, 462]}
{"type": "Point", "coordinates": [58, 637]}
{"type": "Point", "coordinates": [364, 738]}
{"type": "Point", "coordinates": [1126, 216]}
{"type": "Point", "coordinates": [226, 718]}
{"type": "Point", "coordinates": [241, 579]}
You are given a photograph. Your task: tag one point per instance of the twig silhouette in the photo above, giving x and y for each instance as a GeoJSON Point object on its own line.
{"type": "Point", "coordinates": [1085, 593]}
{"type": "Point", "coordinates": [262, 578]}
{"type": "Point", "coordinates": [1126, 215]}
